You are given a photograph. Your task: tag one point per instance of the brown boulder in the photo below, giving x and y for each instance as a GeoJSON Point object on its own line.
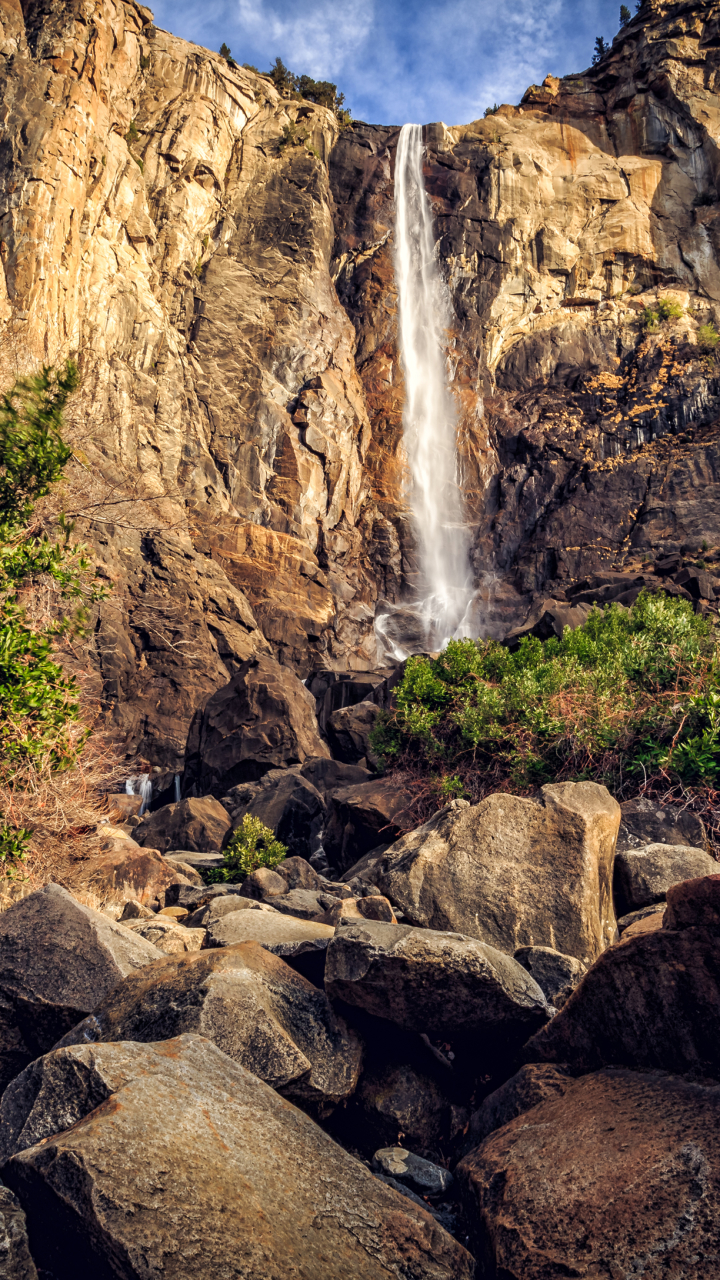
{"type": "Point", "coordinates": [176, 1161]}
{"type": "Point", "coordinates": [373, 907]}
{"type": "Point", "coordinates": [362, 817]}
{"type": "Point", "coordinates": [198, 824]}
{"type": "Point", "coordinates": [652, 1001]}
{"type": "Point", "coordinates": [263, 885]}
{"type": "Point", "coordinates": [285, 802]}
{"type": "Point", "coordinates": [251, 1005]}
{"type": "Point", "coordinates": [533, 1083]}
{"type": "Point", "coordinates": [57, 960]}
{"type": "Point", "coordinates": [271, 929]}
{"type": "Point", "coordinates": [348, 732]}
{"type": "Point", "coordinates": [263, 719]}
{"type": "Point", "coordinates": [128, 872]}
{"type": "Point", "coordinates": [647, 822]}
{"type": "Point", "coordinates": [642, 877]}
{"type": "Point", "coordinates": [617, 1177]}
{"type": "Point", "coordinates": [513, 872]}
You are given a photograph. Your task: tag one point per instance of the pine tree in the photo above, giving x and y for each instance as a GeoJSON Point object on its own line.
{"type": "Point", "coordinates": [625, 15]}
{"type": "Point", "coordinates": [601, 48]}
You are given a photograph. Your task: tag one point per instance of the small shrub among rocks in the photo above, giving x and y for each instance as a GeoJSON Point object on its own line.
{"type": "Point", "coordinates": [251, 846]}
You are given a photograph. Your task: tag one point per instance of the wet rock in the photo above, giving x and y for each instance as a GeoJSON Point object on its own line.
{"type": "Point", "coordinates": [254, 1007]}
{"type": "Point", "coordinates": [619, 1171]}
{"type": "Point", "coordinates": [651, 1001]}
{"type": "Point", "coordinates": [15, 1260]}
{"type": "Point", "coordinates": [442, 984]}
{"type": "Point", "coordinates": [642, 877]}
{"type": "Point", "coordinates": [199, 824]}
{"type": "Point", "coordinates": [362, 817]}
{"type": "Point", "coordinates": [263, 719]}
{"type": "Point", "coordinates": [557, 975]}
{"type": "Point", "coordinates": [348, 732]}
{"type": "Point", "coordinates": [513, 872]}
{"type": "Point", "coordinates": [271, 929]}
{"type": "Point", "coordinates": [532, 1084]}
{"type": "Point", "coordinates": [644, 822]}
{"type": "Point", "coordinates": [57, 960]}
{"type": "Point", "coordinates": [239, 1178]}
{"type": "Point", "coordinates": [285, 802]}
{"type": "Point", "coordinates": [421, 1175]}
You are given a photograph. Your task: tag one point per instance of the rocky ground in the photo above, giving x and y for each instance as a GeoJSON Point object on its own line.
{"type": "Point", "coordinates": [484, 1048]}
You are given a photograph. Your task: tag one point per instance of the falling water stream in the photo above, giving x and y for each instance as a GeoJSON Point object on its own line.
{"type": "Point", "coordinates": [445, 586]}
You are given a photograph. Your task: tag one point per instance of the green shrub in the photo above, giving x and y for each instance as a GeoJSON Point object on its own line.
{"type": "Point", "coordinates": [628, 694]}
{"type": "Point", "coordinates": [707, 337]}
{"type": "Point", "coordinates": [251, 846]}
{"type": "Point", "coordinates": [664, 310]}
{"type": "Point", "coordinates": [225, 53]}
{"type": "Point", "coordinates": [625, 15]}
{"type": "Point", "coordinates": [132, 134]}
{"type": "Point", "coordinates": [601, 48]}
{"type": "Point", "coordinates": [491, 111]}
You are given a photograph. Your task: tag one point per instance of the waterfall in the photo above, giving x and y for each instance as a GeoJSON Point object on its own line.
{"type": "Point", "coordinates": [429, 415]}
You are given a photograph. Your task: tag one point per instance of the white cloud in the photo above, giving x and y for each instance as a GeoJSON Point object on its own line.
{"type": "Point", "coordinates": [317, 39]}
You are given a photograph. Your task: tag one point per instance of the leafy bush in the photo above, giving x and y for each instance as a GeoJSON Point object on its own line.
{"type": "Point", "coordinates": [653, 317]}
{"type": "Point", "coordinates": [628, 694]}
{"type": "Point", "coordinates": [251, 846]}
{"type": "Point", "coordinates": [707, 337]}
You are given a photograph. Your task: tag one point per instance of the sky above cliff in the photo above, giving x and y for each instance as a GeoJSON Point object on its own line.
{"type": "Point", "coordinates": [405, 60]}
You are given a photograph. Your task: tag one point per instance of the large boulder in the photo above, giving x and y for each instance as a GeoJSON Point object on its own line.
{"type": "Point", "coordinates": [287, 803]}
{"type": "Point", "coordinates": [556, 974]}
{"type": "Point", "coordinates": [646, 821]}
{"type": "Point", "coordinates": [400, 1098]}
{"type": "Point", "coordinates": [15, 1260]}
{"type": "Point", "coordinates": [125, 873]}
{"type": "Point", "coordinates": [533, 1083]}
{"type": "Point", "coordinates": [362, 817]}
{"type": "Point", "coordinates": [175, 1161]}
{"type": "Point", "coordinates": [328, 775]}
{"type": "Point", "coordinates": [617, 1177]}
{"type": "Point", "coordinates": [348, 732]}
{"type": "Point", "coordinates": [513, 872]}
{"type": "Point", "coordinates": [651, 1001]}
{"type": "Point", "coordinates": [271, 929]}
{"type": "Point", "coordinates": [643, 876]}
{"type": "Point", "coordinates": [445, 985]}
{"type": "Point", "coordinates": [263, 719]}
{"type": "Point", "coordinates": [251, 1005]}
{"type": "Point", "coordinates": [198, 824]}
{"type": "Point", "coordinates": [57, 960]}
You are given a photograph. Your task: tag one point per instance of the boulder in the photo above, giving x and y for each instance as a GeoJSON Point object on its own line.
{"type": "Point", "coordinates": [348, 732]}
{"type": "Point", "coordinates": [15, 1260]}
{"type": "Point", "coordinates": [547, 621]}
{"type": "Point", "coordinates": [263, 719]}
{"type": "Point", "coordinates": [441, 984]}
{"type": "Point", "coordinates": [251, 1005]}
{"type": "Point", "coordinates": [221, 906]}
{"type": "Point", "coordinates": [647, 822]}
{"type": "Point", "coordinates": [651, 1001]}
{"type": "Point", "coordinates": [373, 907]}
{"type": "Point", "coordinates": [198, 861]}
{"type": "Point", "coordinates": [127, 872]}
{"type": "Point", "coordinates": [513, 872]}
{"type": "Point", "coordinates": [170, 938]}
{"type": "Point", "coordinates": [362, 817]}
{"type": "Point", "coordinates": [413, 1171]}
{"type": "Point", "coordinates": [184, 895]}
{"type": "Point", "coordinates": [270, 929]}
{"type": "Point", "coordinates": [643, 876]}
{"type": "Point", "coordinates": [619, 1176]}
{"type": "Point", "coordinates": [253, 1188]}
{"type": "Point", "coordinates": [57, 960]}
{"type": "Point", "coordinates": [329, 775]}
{"type": "Point", "coordinates": [557, 975]}
{"type": "Point", "coordinates": [298, 874]}
{"type": "Point", "coordinates": [264, 885]}
{"type": "Point", "coordinates": [287, 803]}
{"type": "Point", "coordinates": [400, 1097]}
{"type": "Point", "coordinates": [634, 917]}
{"type": "Point", "coordinates": [187, 871]}
{"type": "Point", "coordinates": [533, 1083]}
{"type": "Point", "coordinates": [199, 823]}
{"type": "Point", "coordinates": [304, 904]}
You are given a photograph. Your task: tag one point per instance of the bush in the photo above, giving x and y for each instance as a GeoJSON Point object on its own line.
{"type": "Point", "coordinates": [225, 53]}
{"type": "Point", "coordinates": [707, 337]}
{"type": "Point", "coordinates": [625, 15]}
{"type": "Point", "coordinates": [653, 317]}
{"type": "Point", "coordinates": [322, 92]}
{"type": "Point", "coordinates": [628, 694]}
{"type": "Point", "coordinates": [251, 846]}
{"type": "Point", "coordinates": [491, 111]}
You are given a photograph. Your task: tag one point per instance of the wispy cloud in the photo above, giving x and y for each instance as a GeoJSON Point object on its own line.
{"type": "Point", "coordinates": [399, 60]}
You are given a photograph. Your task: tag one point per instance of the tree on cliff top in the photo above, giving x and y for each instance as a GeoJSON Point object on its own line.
{"type": "Point", "coordinates": [322, 92]}
{"type": "Point", "coordinates": [601, 48]}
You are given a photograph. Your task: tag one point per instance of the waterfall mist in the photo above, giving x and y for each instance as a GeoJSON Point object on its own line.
{"type": "Point", "coordinates": [445, 586]}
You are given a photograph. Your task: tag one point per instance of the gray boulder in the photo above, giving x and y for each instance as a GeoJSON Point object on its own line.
{"type": "Point", "coordinates": [441, 984]}
{"type": "Point", "coordinates": [643, 876]}
{"type": "Point", "coordinates": [348, 732]}
{"type": "Point", "coordinates": [57, 960]}
{"type": "Point", "coordinates": [251, 1005]}
{"type": "Point", "coordinates": [413, 1171]}
{"type": "Point", "coordinates": [558, 975]}
{"type": "Point", "coordinates": [198, 824]}
{"type": "Point", "coordinates": [220, 906]}
{"type": "Point", "coordinates": [513, 872]}
{"type": "Point", "coordinates": [271, 929]}
{"type": "Point", "coordinates": [647, 822]}
{"type": "Point", "coordinates": [15, 1260]}
{"type": "Point", "coordinates": [181, 1163]}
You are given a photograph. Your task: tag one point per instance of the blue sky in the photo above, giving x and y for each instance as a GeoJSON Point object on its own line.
{"type": "Point", "coordinates": [398, 61]}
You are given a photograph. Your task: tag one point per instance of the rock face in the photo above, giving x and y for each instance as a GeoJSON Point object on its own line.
{"type": "Point", "coordinates": [239, 1197]}
{"type": "Point", "coordinates": [442, 984]}
{"type": "Point", "coordinates": [263, 719]}
{"type": "Point", "coordinates": [617, 1176]}
{"type": "Point", "coordinates": [57, 960]}
{"type": "Point", "coordinates": [643, 876]}
{"type": "Point", "coordinates": [251, 1005]}
{"type": "Point", "coordinates": [513, 872]}
{"type": "Point", "coordinates": [287, 803]}
{"type": "Point", "coordinates": [651, 1001]}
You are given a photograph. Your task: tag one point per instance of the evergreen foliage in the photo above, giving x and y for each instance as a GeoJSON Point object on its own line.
{"type": "Point", "coordinates": [601, 48]}
{"type": "Point", "coordinates": [252, 845]}
{"type": "Point", "coordinates": [322, 92]}
{"type": "Point", "coordinates": [629, 694]}
{"type": "Point", "coordinates": [625, 15]}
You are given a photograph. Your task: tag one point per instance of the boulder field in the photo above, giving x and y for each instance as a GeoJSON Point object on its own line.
{"type": "Point", "coordinates": [440, 1065]}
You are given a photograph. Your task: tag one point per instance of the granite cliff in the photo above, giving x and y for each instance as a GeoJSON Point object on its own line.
{"type": "Point", "coordinates": [219, 260]}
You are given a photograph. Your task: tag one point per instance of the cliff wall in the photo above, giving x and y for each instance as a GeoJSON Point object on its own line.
{"type": "Point", "coordinates": [219, 261]}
